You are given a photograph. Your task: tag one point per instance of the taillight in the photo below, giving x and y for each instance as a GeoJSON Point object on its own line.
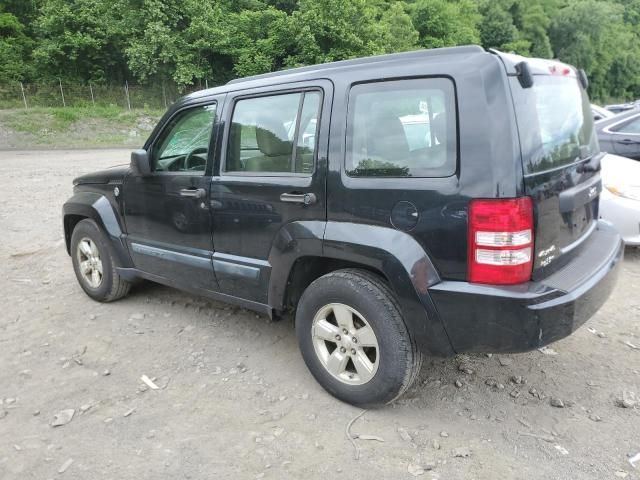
{"type": "Point", "coordinates": [500, 240]}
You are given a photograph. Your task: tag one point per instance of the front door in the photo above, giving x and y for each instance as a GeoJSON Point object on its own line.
{"type": "Point", "coordinates": [167, 213]}
{"type": "Point", "coordinates": [271, 177]}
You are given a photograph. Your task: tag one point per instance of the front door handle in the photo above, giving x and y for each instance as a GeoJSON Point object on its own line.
{"type": "Point", "coordinates": [193, 192]}
{"type": "Point", "coordinates": [303, 198]}
{"type": "Point", "coordinates": [627, 141]}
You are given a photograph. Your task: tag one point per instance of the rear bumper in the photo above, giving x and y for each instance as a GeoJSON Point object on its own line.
{"type": "Point", "coordinates": [519, 318]}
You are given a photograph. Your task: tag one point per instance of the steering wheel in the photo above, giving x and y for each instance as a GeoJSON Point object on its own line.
{"type": "Point", "coordinates": [187, 159]}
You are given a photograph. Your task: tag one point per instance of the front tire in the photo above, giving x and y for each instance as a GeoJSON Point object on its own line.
{"type": "Point", "coordinates": [93, 263]}
{"type": "Point", "coordinates": [353, 338]}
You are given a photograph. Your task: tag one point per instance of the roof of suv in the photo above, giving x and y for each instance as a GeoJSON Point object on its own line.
{"type": "Point", "coordinates": [392, 57]}
{"type": "Point", "coordinates": [326, 69]}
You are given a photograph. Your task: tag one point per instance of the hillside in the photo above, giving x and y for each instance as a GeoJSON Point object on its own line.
{"type": "Point", "coordinates": [75, 127]}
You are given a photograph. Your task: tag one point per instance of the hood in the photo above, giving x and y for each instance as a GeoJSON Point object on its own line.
{"type": "Point", "coordinates": [103, 176]}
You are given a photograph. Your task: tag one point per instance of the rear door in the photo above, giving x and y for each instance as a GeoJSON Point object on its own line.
{"type": "Point", "coordinates": [561, 163]}
{"type": "Point", "coordinates": [272, 174]}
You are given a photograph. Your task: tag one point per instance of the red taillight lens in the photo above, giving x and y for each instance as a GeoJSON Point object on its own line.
{"type": "Point", "coordinates": [500, 240]}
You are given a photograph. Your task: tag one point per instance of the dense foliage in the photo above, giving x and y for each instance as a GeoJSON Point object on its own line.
{"type": "Point", "coordinates": [187, 41]}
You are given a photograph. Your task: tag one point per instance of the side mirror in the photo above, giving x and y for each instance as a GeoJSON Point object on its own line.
{"type": "Point", "coordinates": [140, 163]}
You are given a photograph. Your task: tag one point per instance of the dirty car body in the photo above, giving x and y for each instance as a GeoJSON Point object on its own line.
{"type": "Point", "coordinates": [254, 214]}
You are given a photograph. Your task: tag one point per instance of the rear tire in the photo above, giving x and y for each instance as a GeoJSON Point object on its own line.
{"type": "Point", "coordinates": [377, 360]}
{"type": "Point", "coordinates": [93, 263]}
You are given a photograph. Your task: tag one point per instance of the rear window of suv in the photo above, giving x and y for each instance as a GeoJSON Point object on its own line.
{"type": "Point", "coordinates": [555, 122]}
{"type": "Point", "coordinates": [402, 128]}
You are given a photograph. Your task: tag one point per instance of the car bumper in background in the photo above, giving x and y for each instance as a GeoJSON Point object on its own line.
{"type": "Point", "coordinates": [485, 318]}
{"type": "Point", "coordinates": [624, 214]}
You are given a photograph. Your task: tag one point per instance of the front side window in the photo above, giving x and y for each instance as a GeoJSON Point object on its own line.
{"type": "Point", "coordinates": [404, 128]}
{"type": "Point", "coordinates": [274, 134]}
{"type": "Point", "coordinates": [184, 144]}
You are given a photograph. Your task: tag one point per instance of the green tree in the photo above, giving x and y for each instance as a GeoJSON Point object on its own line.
{"type": "Point", "coordinates": [519, 26]}
{"type": "Point", "coordinates": [328, 30]}
{"type": "Point", "coordinates": [24, 10]}
{"type": "Point", "coordinates": [591, 34]}
{"type": "Point", "coordinates": [398, 30]}
{"type": "Point", "coordinates": [497, 28]}
{"type": "Point", "coordinates": [187, 41]}
{"type": "Point", "coordinates": [80, 39]}
{"type": "Point", "coordinates": [157, 43]}
{"type": "Point", "coordinates": [220, 41]}
{"type": "Point", "coordinates": [14, 49]}
{"type": "Point", "coordinates": [287, 6]}
{"type": "Point", "coordinates": [260, 42]}
{"type": "Point", "coordinates": [534, 28]}
{"type": "Point", "coordinates": [442, 23]}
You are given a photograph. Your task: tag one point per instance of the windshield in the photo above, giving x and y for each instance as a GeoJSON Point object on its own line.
{"type": "Point", "coordinates": [555, 123]}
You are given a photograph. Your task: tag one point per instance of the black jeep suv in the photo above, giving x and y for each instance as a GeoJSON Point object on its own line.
{"type": "Point", "coordinates": [432, 202]}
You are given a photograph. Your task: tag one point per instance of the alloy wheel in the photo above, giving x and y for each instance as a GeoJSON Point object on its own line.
{"type": "Point", "coordinates": [89, 262]}
{"type": "Point", "coordinates": [345, 344]}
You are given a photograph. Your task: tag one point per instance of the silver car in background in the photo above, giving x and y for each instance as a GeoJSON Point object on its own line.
{"type": "Point", "coordinates": [620, 134]}
{"type": "Point", "coordinates": [620, 197]}
{"type": "Point", "coordinates": [600, 113]}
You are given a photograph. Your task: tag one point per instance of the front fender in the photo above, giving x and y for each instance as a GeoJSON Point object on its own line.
{"type": "Point", "coordinates": [97, 207]}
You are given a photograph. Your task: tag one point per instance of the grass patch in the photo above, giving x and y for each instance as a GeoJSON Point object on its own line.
{"type": "Point", "coordinates": [65, 117]}
{"type": "Point", "coordinates": [78, 126]}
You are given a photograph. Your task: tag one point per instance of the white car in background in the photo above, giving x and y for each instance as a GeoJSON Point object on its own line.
{"type": "Point", "coordinates": [620, 198]}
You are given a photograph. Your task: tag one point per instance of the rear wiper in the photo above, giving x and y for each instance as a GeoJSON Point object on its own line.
{"type": "Point", "coordinates": [589, 164]}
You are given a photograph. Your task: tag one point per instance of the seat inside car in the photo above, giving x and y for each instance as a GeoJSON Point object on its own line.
{"type": "Point", "coordinates": [387, 140]}
{"type": "Point", "coordinates": [273, 143]}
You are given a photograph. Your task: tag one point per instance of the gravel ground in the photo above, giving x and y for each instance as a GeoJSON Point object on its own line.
{"type": "Point", "coordinates": [235, 399]}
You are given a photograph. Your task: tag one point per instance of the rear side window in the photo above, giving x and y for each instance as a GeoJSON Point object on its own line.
{"type": "Point", "coordinates": [402, 128]}
{"type": "Point", "coordinates": [274, 134]}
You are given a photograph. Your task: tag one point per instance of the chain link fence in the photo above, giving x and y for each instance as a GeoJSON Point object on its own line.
{"type": "Point", "coordinates": [61, 94]}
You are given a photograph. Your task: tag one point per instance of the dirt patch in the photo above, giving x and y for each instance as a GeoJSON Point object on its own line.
{"type": "Point", "coordinates": [234, 399]}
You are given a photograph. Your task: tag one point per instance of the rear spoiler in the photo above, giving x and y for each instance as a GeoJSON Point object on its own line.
{"type": "Point", "coordinates": [526, 68]}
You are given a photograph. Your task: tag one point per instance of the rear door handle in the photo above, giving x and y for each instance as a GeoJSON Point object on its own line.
{"type": "Point", "coordinates": [628, 141]}
{"type": "Point", "coordinates": [303, 198]}
{"type": "Point", "coordinates": [193, 192]}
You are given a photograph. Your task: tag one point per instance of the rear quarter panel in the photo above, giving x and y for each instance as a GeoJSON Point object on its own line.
{"type": "Point", "coordinates": [488, 163]}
